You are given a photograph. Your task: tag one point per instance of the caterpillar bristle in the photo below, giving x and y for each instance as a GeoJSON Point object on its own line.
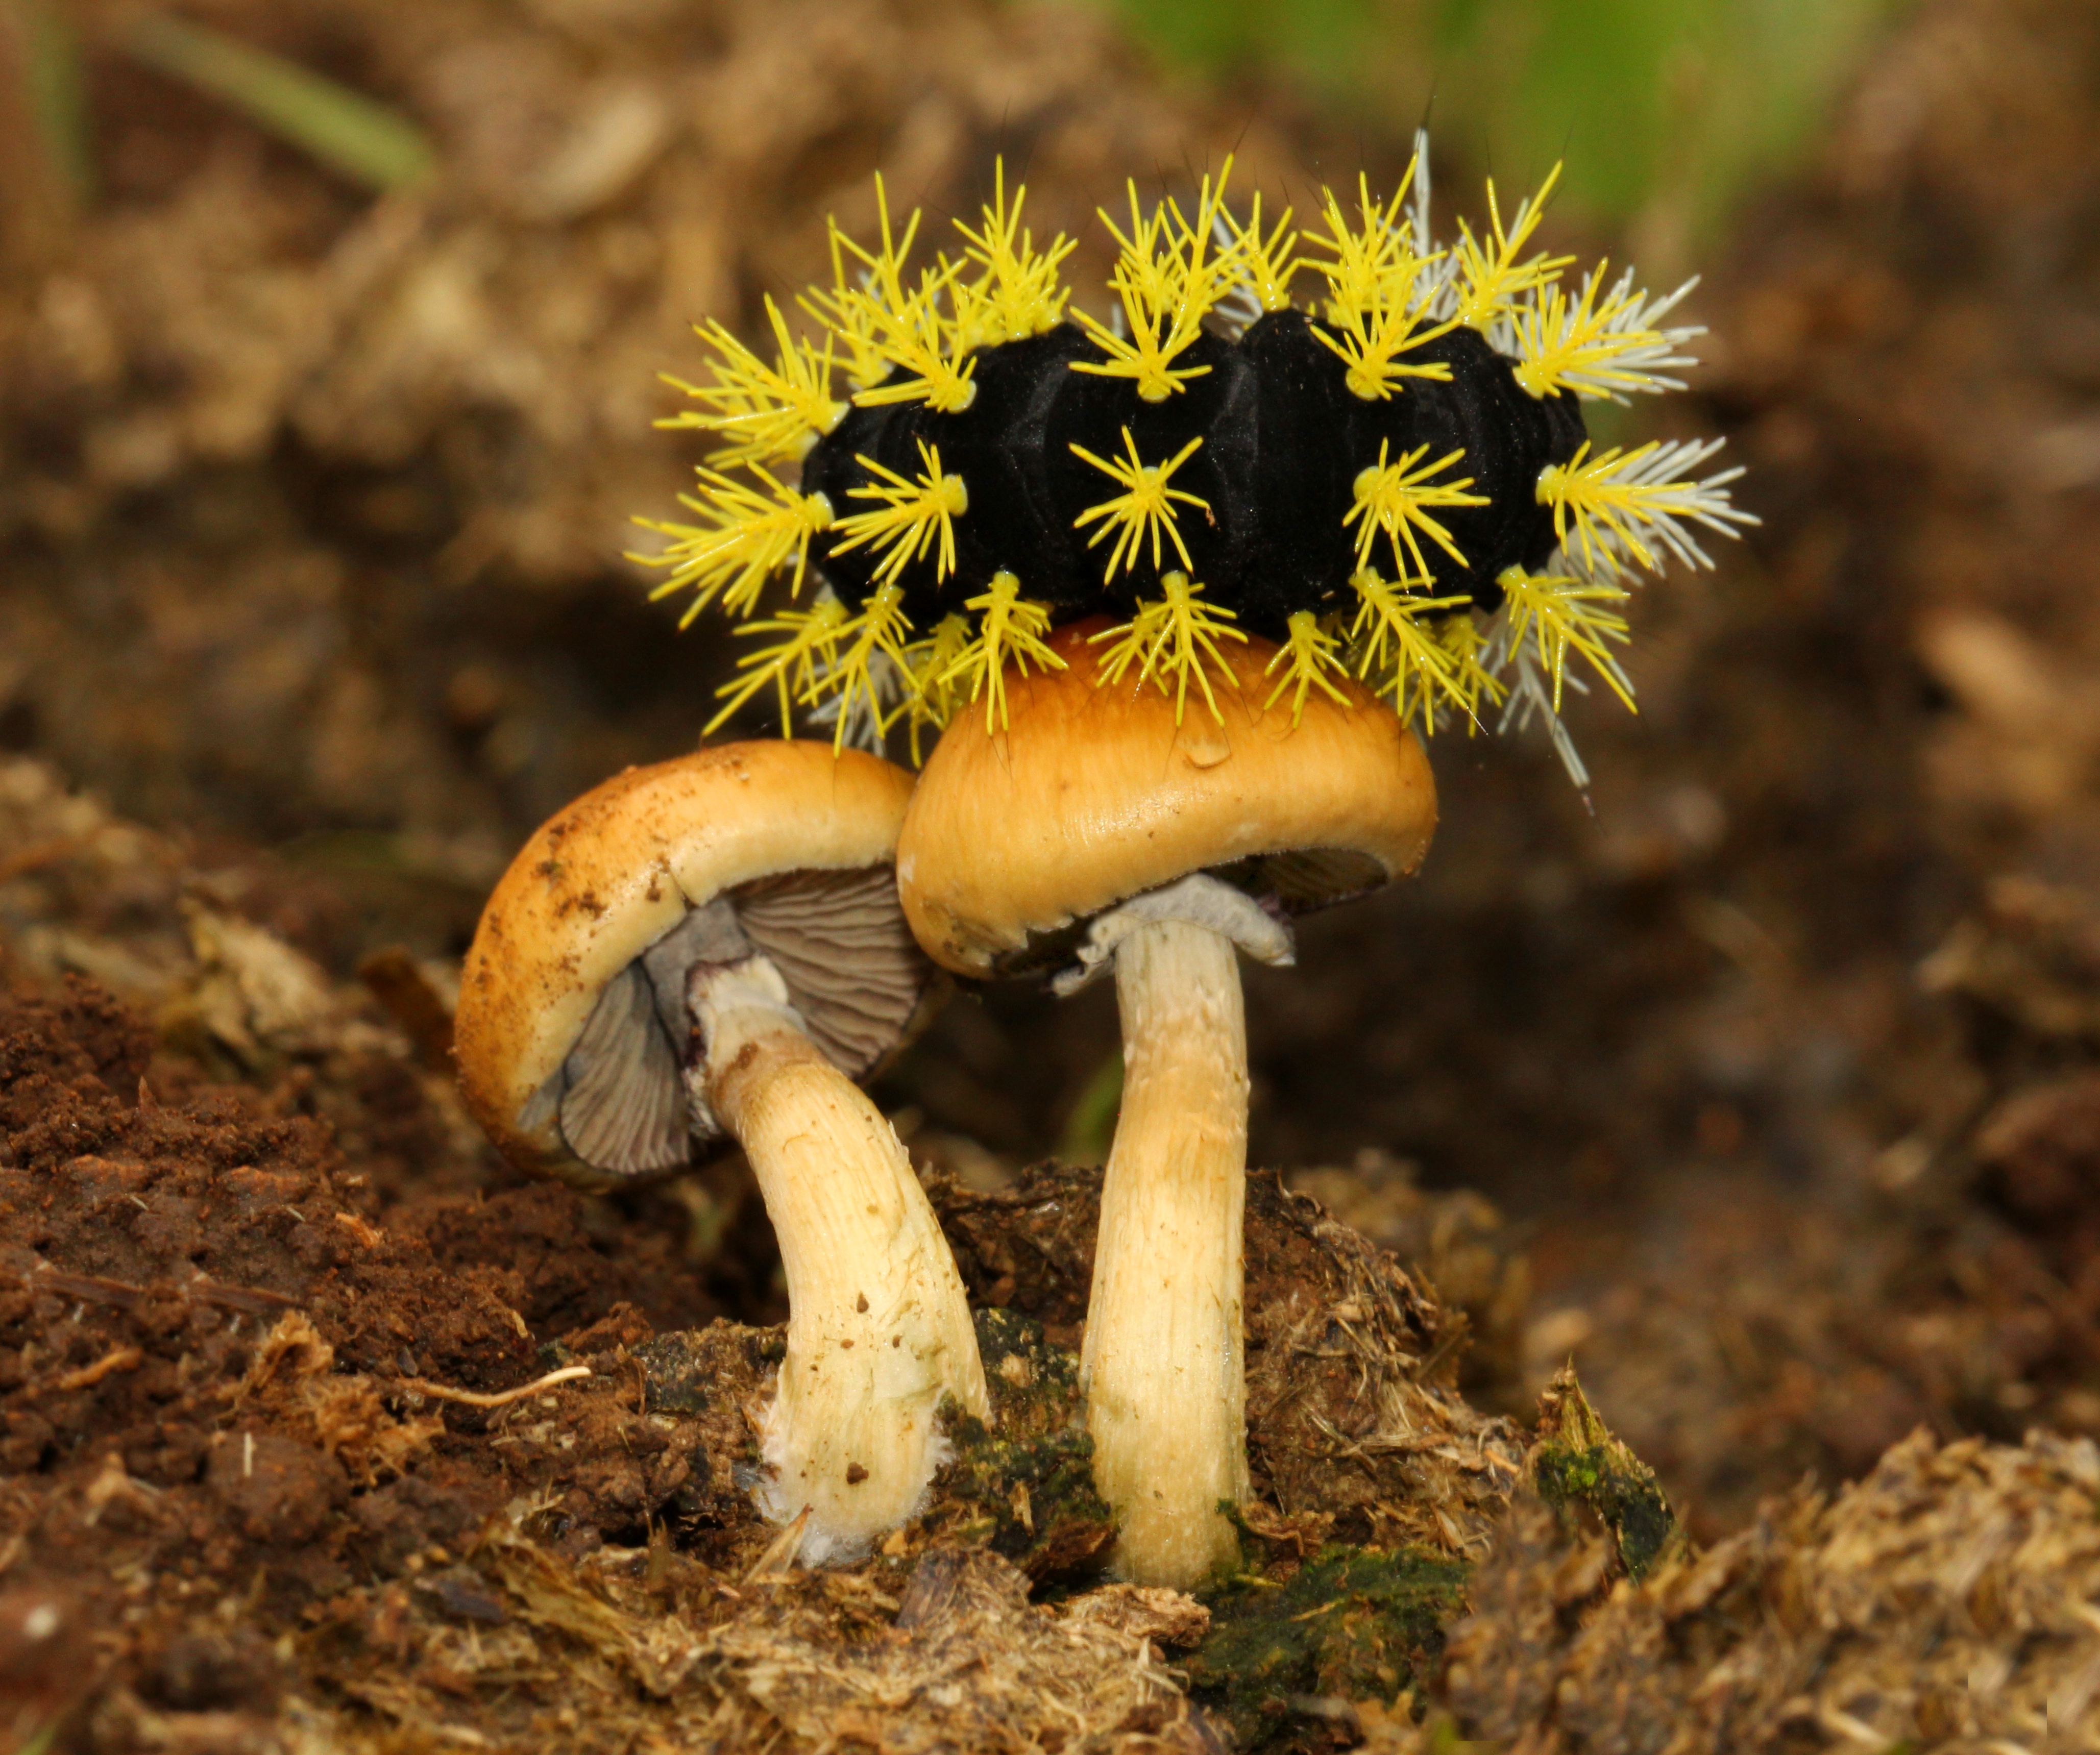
{"type": "Point", "coordinates": [1308, 653]}
{"type": "Point", "coordinates": [1018, 293]}
{"type": "Point", "coordinates": [908, 328]}
{"type": "Point", "coordinates": [844, 316]}
{"type": "Point", "coordinates": [1491, 279]}
{"type": "Point", "coordinates": [751, 536]}
{"type": "Point", "coordinates": [1600, 350]}
{"type": "Point", "coordinates": [1171, 637]}
{"type": "Point", "coordinates": [1621, 502]}
{"type": "Point", "coordinates": [767, 413]}
{"type": "Point", "coordinates": [1564, 614]}
{"type": "Point", "coordinates": [1380, 295]}
{"type": "Point", "coordinates": [1419, 670]}
{"type": "Point", "coordinates": [910, 515]}
{"type": "Point", "coordinates": [1010, 630]}
{"type": "Point", "coordinates": [929, 666]}
{"type": "Point", "coordinates": [1263, 266]}
{"type": "Point", "coordinates": [807, 647]}
{"type": "Point", "coordinates": [868, 650]}
{"type": "Point", "coordinates": [1167, 277]}
{"type": "Point", "coordinates": [1144, 507]}
{"type": "Point", "coordinates": [1397, 498]}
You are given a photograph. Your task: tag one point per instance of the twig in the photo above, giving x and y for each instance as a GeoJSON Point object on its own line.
{"type": "Point", "coordinates": [91, 1289]}
{"type": "Point", "coordinates": [501, 1398]}
{"type": "Point", "coordinates": [123, 1359]}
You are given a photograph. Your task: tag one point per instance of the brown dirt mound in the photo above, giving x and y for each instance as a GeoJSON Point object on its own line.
{"type": "Point", "coordinates": [1943, 1602]}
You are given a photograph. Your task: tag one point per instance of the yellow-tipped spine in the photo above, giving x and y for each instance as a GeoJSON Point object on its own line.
{"type": "Point", "coordinates": [1144, 507]}
{"type": "Point", "coordinates": [1170, 638]}
{"type": "Point", "coordinates": [1563, 615]}
{"type": "Point", "coordinates": [1010, 628]}
{"type": "Point", "coordinates": [751, 536]}
{"type": "Point", "coordinates": [910, 517]}
{"type": "Point", "coordinates": [1399, 654]}
{"type": "Point", "coordinates": [1308, 653]}
{"type": "Point", "coordinates": [1491, 280]}
{"type": "Point", "coordinates": [1397, 498]}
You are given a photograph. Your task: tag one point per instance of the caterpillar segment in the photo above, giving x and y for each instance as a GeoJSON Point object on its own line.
{"type": "Point", "coordinates": [1390, 478]}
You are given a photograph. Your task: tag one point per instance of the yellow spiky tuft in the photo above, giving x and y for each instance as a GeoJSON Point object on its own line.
{"type": "Point", "coordinates": [1397, 498]}
{"type": "Point", "coordinates": [866, 649]}
{"type": "Point", "coordinates": [909, 329]}
{"type": "Point", "coordinates": [1016, 293]}
{"type": "Point", "coordinates": [750, 534]}
{"type": "Point", "coordinates": [1490, 279]}
{"type": "Point", "coordinates": [1625, 505]}
{"type": "Point", "coordinates": [1146, 505]}
{"type": "Point", "coordinates": [1264, 266]}
{"type": "Point", "coordinates": [767, 413]}
{"type": "Point", "coordinates": [930, 698]}
{"type": "Point", "coordinates": [1593, 344]}
{"type": "Point", "coordinates": [911, 515]}
{"type": "Point", "coordinates": [1171, 638]}
{"type": "Point", "coordinates": [1009, 630]}
{"type": "Point", "coordinates": [1369, 256]}
{"type": "Point", "coordinates": [1563, 615]}
{"type": "Point", "coordinates": [1168, 275]}
{"type": "Point", "coordinates": [843, 311]}
{"type": "Point", "coordinates": [1398, 651]}
{"type": "Point", "coordinates": [1379, 295]}
{"type": "Point", "coordinates": [806, 648]}
{"type": "Point", "coordinates": [1308, 653]}
{"type": "Point", "coordinates": [1472, 682]}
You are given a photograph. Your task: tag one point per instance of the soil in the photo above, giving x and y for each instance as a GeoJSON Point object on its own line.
{"type": "Point", "coordinates": [1759, 1083]}
{"type": "Point", "coordinates": [269, 1432]}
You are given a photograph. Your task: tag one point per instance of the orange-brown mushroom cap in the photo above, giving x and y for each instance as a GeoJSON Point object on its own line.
{"type": "Point", "coordinates": [614, 873]}
{"type": "Point", "coordinates": [1092, 794]}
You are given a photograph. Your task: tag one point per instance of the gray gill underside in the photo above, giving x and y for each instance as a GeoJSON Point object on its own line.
{"type": "Point", "coordinates": [852, 972]}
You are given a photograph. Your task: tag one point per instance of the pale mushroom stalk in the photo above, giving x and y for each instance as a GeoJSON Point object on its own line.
{"type": "Point", "coordinates": [879, 1330]}
{"type": "Point", "coordinates": [1162, 1363]}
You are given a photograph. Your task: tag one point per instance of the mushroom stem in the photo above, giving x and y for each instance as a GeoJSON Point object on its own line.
{"type": "Point", "coordinates": [879, 1330]}
{"type": "Point", "coordinates": [1163, 1361]}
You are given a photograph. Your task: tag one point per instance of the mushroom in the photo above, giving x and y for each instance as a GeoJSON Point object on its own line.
{"type": "Point", "coordinates": [711, 949]}
{"type": "Point", "coordinates": [1095, 830]}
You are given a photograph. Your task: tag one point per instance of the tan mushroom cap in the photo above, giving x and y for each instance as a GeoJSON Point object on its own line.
{"type": "Point", "coordinates": [1090, 796]}
{"type": "Point", "coordinates": [605, 878]}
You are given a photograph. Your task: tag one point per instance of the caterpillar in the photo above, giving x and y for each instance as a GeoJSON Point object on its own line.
{"type": "Point", "coordinates": [1397, 481]}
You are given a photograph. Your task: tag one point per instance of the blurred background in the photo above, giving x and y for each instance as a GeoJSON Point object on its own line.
{"type": "Point", "coordinates": [1758, 1078]}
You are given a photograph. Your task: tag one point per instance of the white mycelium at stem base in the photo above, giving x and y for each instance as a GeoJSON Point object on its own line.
{"type": "Point", "coordinates": [879, 1330]}
{"type": "Point", "coordinates": [1162, 1365]}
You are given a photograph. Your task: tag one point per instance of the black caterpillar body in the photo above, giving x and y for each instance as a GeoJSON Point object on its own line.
{"type": "Point", "coordinates": [1284, 441]}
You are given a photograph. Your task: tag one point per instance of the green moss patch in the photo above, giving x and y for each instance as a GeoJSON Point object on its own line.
{"type": "Point", "coordinates": [1351, 1624]}
{"type": "Point", "coordinates": [1586, 1473]}
{"type": "Point", "coordinates": [1023, 1486]}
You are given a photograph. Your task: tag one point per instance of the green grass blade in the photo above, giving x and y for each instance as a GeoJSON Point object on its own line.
{"type": "Point", "coordinates": [363, 140]}
{"type": "Point", "coordinates": [57, 94]}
